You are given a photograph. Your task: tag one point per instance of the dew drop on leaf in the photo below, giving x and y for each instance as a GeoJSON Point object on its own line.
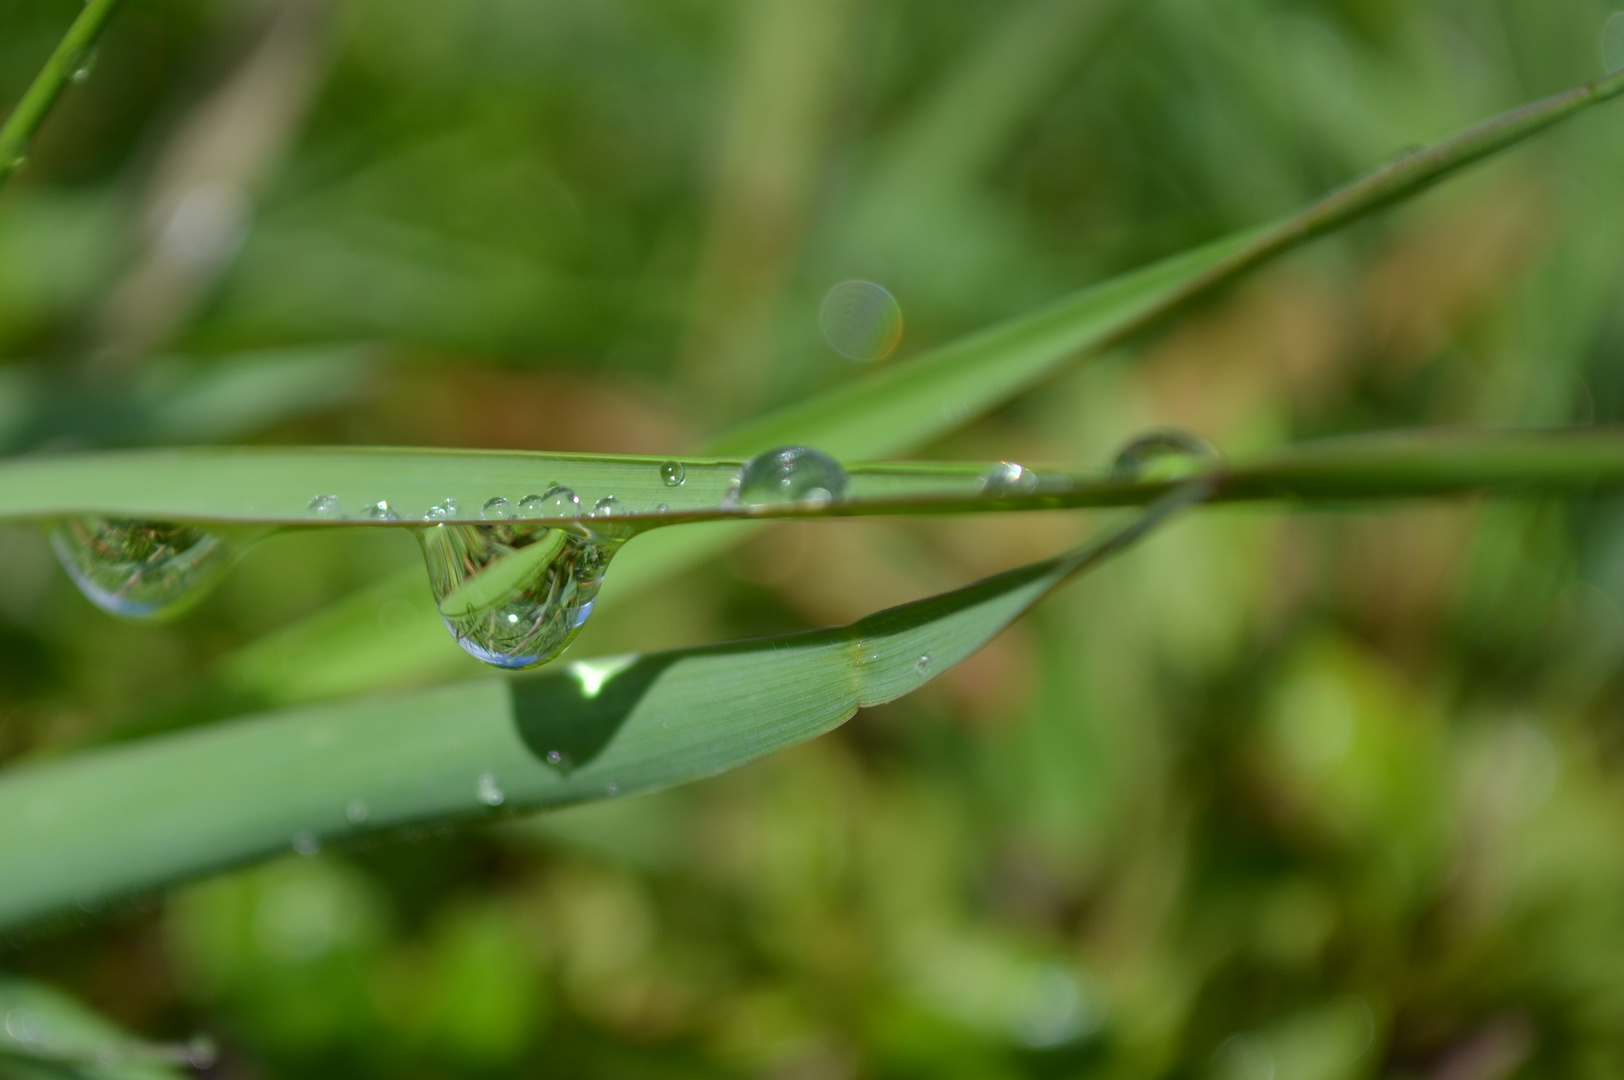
{"type": "Point", "coordinates": [555, 502]}
{"type": "Point", "coordinates": [381, 511]}
{"type": "Point", "coordinates": [1163, 454]}
{"type": "Point", "coordinates": [326, 507]}
{"type": "Point", "coordinates": [922, 665]}
{"type": "Point", "coordinates": [789, 474]}
{"type": "Point", "coordinates": [514, 595]}
{"type": "Point", "coordinates": [442, 511]}
{"type": "Point", "coordinates": [1007, 478]}
{"type": "Point", "coordinates": [673, 473]}
{"type": "Point", "coordinates": [488, 791]}
{"type": "Point", "coordinates": [496, 509]}
{"type": "Point", "coordinates": [139, 569]}
{"type": "Point", "coordinates": [608, 506]}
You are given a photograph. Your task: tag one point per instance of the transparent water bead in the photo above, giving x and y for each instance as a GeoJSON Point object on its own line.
{"type": "Point", "coordinates": [514, 594]}
{"type": "Point", "coordinates": [608, 506]}
{"type": "Point", "coordinates": [443, 511]}
{"type": "Point", "coordinates": [139, 569]}
{"type": "Point", "coordinates": [326, 507]}
{"type": "Point", "coordinates": [673, 473]}
{"type": "Point", "coordinates": [488, 791]}
{"type": "Point", "coordinates": [381, 511]}
{"type": "Point", "coordinates": [1008, 478]}
{"type": "Point", "coordinates": [789, 474]}
{"type": "Point", "coordinates": [555, 502]}
{"type": "Point", "coordinates": [1163, 454]}
{"type": "Point", "coordinates": [496, 509]}
{"type": "Point", "coordinates": [861, 320]}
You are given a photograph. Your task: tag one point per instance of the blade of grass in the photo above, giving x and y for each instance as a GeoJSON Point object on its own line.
{"type": "Point", "coordinates": [47, 1035]}
{"type": "Point", "coordinates": [891, 411]}
{"type": "Point", "coordinates": [25, 119]}
{"type": "Point", "coordinates": [108, 822]}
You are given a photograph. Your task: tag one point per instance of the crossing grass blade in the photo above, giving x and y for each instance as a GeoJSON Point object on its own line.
{"type": "Point", "coordinates": [108, 822]}
{"type": "Point", "coordinates": [891, 411]}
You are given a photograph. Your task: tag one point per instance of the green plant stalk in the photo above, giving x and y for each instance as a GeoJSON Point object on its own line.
{"type": "Point", "coordinates": [243, 487]}
{"type": "Point", "coordinates": [70, 53]}
{"type": "Point", "coordinates": [108, 822]}
{"type": "Point", "coordinates": [893, 410]}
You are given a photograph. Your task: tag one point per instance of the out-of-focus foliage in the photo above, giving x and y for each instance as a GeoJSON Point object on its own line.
{"type": "Point", "coordinates": [1326, 796]}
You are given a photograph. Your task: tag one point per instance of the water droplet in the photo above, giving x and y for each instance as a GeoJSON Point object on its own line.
{"type": "Point", "coordinates": [381, 511]}
{"type": "Point", "coordinates": [556, 502]}
{"type": "Point", "coordinates": [556, 757]}
{"type": "Point", "coordinates": [139, 569]}
{"type": "Point", "coordinates": [514, 595]}
{"type": "Point", "coordinates": [86, 65]}
{"type": "Point", "coordinates": [1007, 478]}
{"type": "Point", "coordinates": [442, 511]}
{"type": "Point", "coordinates": [357, 811]}
{"type": "Point", "coordinates": [861, 320]}
{"type": "Point", "coordinates": [788, 474]}
{"type": "Point", "coordinates": [1163, 454]}
{"type": "Point", "coordinates": [488, 790]}
{"type": "Point", "coordinates": [922, 665]}
{"type": "Point", "coordinates": [608, 506]}
{"type": "Point", "coordinates": [326, 507]}
{"type": "Point", "coordinates": [306, 843]}
{"type": "Point", "coordinates": [663, 508]}
{"type": "Point", "coordinates": [496, 509]}
{"type": "Point", "coordinates": [673, 473]}
{"type": "Point", "coordinates": [1612, 43]}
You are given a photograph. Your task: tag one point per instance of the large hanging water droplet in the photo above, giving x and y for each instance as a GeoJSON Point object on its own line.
{"type": "Point", "coordinates": [1163, 454]}
{"type": "Point", "coordinates": [139, 569]}
{"type": "Point", "coordinates": [514, 595]}
{"type": "Point", "coordinates": [789, 474]}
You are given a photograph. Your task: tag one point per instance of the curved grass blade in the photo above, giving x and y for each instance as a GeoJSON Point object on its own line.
{"type": "Point", "coordinates": [69, 55]}
{"type": "Point", "coordinates": [108, 822]}
{"type": "Point", "coordinates": [47, 1035]}
{"type": "Point", "coordinates": [892, 410]}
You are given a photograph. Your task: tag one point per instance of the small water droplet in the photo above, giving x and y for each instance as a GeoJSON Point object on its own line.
{"type": "Point", "coordinates": [1163, 454]}
{"type": "Point", "coordinates": [357, 811]}
{"type": "Point", "coordinates": [139, 569]}
{"type": "Point", "coordinates": [1612, 43]}
{"type": "Point", "coordinates": [496, 509]}
{"type": "Point", "coordinates": [1007, 478]}
{"type": "Point", "coordinates": [861, 321]}
{"type": "Point", "coordinates": [381, 511]}
{"type": "Point", "coordinates": [788, 474]}
{"type": "Point", "coordinates": [326, 507]}
{"type": "Point", "coordinates": [306, 843]}
{"type": "Point", "coordinates": [514, 595]}
{"type": "Point", "coordinates": [608, 506]}
{"type": "Point", "coordinates": [442, 511]}
{"type": "Point", "coordinates": [86, 65]}
{"type": "Point", "coordinates": [557, 757]}
{"type": "Point", "coordinates": [922, 665]}
{"type": "Point", "coordinates": [663, 508]}
{"type": "Point", "coordinates": [488, 790]}
{"type": "Point", "coordinates": [612, 789]}
{"type": "Point", "coordinates": [555, 502]}
{"type": "Point", "coordinates": [673, 473]}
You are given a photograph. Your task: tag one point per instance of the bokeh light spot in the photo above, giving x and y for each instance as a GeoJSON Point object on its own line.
{"type": "Point", "coordinates": [861, 321]}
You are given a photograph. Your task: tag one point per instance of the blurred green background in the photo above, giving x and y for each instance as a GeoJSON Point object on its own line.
{"type": "Point", "coordinates": [1313, 796]}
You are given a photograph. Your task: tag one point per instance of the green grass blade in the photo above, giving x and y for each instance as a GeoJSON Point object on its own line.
{"type": "Point", "coordinates": [108, 822]}
{"type": "Point", "coordinates": [18, 130]}
{"type": "Point", "coordinates": [47, 1035]}
{"type": "Point", "coordinates": [891, 411]}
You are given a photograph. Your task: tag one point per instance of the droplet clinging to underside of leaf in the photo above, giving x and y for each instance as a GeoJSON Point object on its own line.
{"type": "Point", "coordinates": [514, 594]}
{"type": "Point", "coordinates": [140, 569]}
